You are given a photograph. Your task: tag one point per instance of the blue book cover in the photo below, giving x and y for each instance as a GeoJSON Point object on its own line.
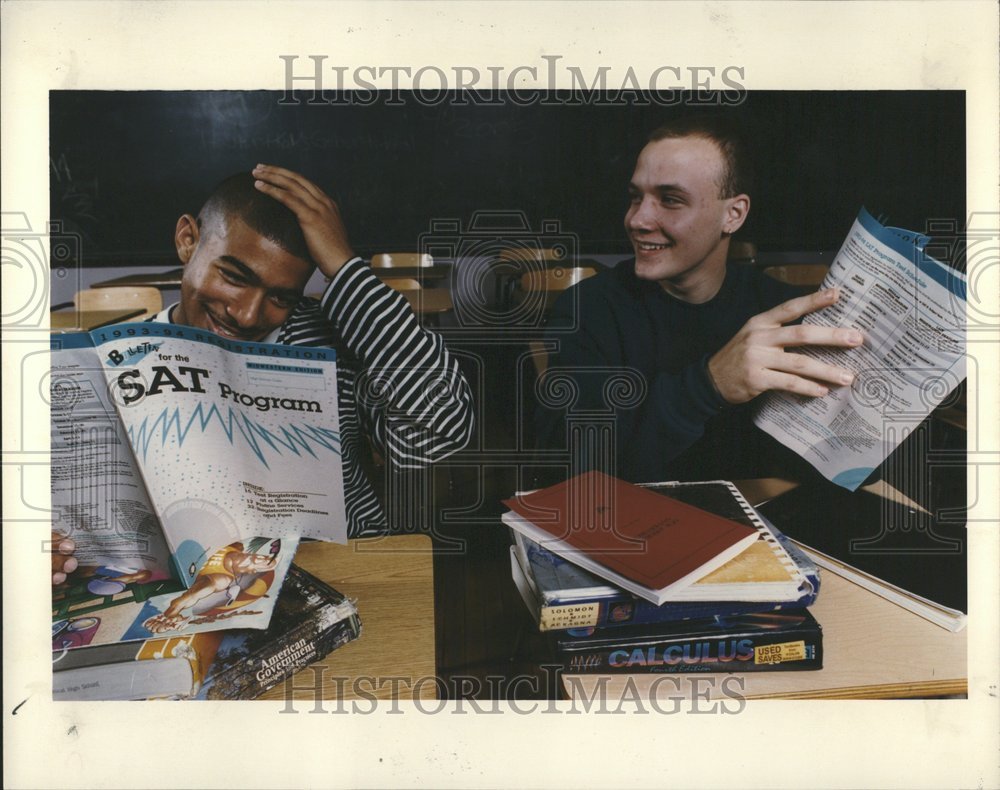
{"type": "Point", "coordinates": [784, 641]}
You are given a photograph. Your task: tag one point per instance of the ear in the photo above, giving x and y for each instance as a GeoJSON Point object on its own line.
{"type": "Point", "coordinates": [737, 210]}
{"type": "Point", "coordinates": [186, 237]}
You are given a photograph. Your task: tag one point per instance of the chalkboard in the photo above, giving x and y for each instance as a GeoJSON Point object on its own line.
{"type": "Point", "coordinates": [126, 164]}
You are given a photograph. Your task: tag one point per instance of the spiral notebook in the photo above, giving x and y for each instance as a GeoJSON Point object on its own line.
{"type": "Point", "coordinates": [891, 549]}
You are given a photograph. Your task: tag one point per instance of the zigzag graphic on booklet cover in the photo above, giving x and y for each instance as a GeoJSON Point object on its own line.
{"type": "Point", "coordinates": [261, 440]}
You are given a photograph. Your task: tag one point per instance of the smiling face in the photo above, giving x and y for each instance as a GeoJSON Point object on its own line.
{"type": "Point", "coordinates": [678, 223]}
{"type": "Point", "coordinates": [236, 282]}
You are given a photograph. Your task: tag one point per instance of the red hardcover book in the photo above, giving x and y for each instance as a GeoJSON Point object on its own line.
{"type": "Point", "coordinates": [643, 541]}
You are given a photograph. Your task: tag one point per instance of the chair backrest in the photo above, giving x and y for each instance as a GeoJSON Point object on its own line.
{"type": "Point", "coordinates": [425, 302]}
{"type": "Point", "coordinates": [389, 260]}
{"type": "Point", "coordinates": [532, 254]}
{"type": "Point", "coordinates": [798, 274]}
{"type": "Point", "coordinates": [118, 297]}
{"type": "Point", "coordinates": [556, 279]}
{"type": "Point", "coordinates": [401, 283]}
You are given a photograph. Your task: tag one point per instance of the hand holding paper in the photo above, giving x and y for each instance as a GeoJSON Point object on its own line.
{"type": "Point", "coordinates": [757, 358]}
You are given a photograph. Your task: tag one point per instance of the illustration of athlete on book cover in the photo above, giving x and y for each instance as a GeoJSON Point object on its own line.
{"type": "Point", "coordinates": [234, 586]}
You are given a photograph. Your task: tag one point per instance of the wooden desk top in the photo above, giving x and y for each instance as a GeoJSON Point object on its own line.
{"type": "Point", "coordinates": [872, 649]}
{"type": "Point", "coordinates": [435, 272]}
{"type": "Point", "coordinates": [392, 579]}
{"type": "Point", "coordinates": [164, 279]}
{"type": "Point", "coordinates": [70, 320]}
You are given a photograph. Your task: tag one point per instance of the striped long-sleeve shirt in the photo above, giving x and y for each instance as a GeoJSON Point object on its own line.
{"type": "Point", "coordinates": [396, 383]}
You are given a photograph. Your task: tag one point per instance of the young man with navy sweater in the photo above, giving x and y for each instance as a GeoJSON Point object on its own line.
{"type": "Point", "coordinates": [692, 338]}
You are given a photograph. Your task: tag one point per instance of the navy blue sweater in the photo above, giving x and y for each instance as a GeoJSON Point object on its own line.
{"type": "Point", "coordinates": [636, 358]}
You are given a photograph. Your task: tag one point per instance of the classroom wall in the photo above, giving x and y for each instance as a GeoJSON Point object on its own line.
{"type": "Point", "coordinates": [126, 164]}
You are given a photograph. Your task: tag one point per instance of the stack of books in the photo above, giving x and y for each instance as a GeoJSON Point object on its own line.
{"type": "Point", "coordinates": [673, 577]}
{"type": "Point", "coordinates": [309, 621]}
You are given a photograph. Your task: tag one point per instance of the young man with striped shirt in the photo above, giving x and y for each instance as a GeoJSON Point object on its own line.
{"type": "Point", "coordinates": [247, 258]}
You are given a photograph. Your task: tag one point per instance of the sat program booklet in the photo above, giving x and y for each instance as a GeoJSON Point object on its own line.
{"type": "Point", "coordinates": [186, 467]}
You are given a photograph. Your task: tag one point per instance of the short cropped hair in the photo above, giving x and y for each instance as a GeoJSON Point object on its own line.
{"type": "Point", "coordinates": [237, 197]}
{"type": "Point", "coordinates": [737, 175]}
